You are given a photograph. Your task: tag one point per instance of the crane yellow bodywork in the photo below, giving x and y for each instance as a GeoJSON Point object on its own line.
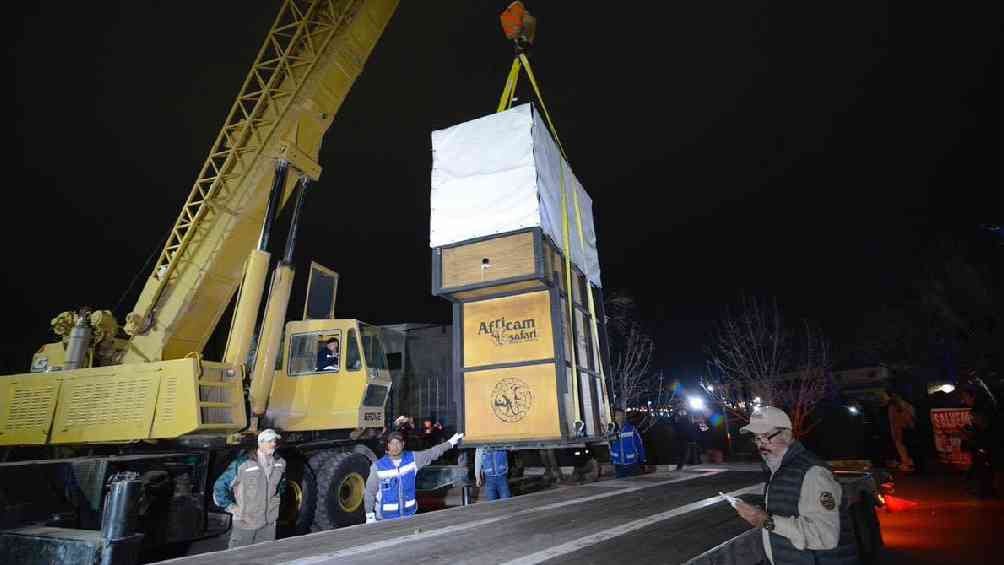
{"type": "Point", "coordinates": [152, 382]}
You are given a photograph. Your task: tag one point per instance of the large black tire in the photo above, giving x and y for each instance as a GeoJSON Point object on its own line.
{"type": "Point", "coordinates": [299, 500]}
{"type": "Point", "coordinates": [341, 482]}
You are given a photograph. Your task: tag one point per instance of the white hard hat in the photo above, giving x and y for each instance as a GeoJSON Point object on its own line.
{"type": "Point", "coordinates": [766, 418]}
{"type": "Point", "coordinates": [268, 435]}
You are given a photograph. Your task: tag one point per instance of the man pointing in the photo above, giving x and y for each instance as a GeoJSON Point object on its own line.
{"type": "Point", "coordinates": [390, 488]}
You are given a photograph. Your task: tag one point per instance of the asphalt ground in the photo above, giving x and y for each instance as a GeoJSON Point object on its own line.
{"type": "Point", "coordinates": [664, 517]}
{"type": "Point", "coordinates": [939, 521]}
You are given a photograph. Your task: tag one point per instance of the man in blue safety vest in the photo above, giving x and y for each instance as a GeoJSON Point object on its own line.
{"type": "Point", "coordinates": [390, 488]}
{"type": "Point", "coordinates": [627, 452]}
{"type": "Point", "coordinates": [493, 465]}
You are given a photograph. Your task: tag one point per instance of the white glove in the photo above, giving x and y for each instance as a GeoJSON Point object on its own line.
{"type": "Point", "coordinates": [371, 518]}
{"type": "Point", "coordinates": [234, 512]}
{"type": "Point", "coordinates": [456, 439]}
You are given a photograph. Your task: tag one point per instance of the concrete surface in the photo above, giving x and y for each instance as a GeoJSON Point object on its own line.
{"type": "Point", "coordinates": [662, 517]}
{"type": "Point", "coordinates": [948, 525]}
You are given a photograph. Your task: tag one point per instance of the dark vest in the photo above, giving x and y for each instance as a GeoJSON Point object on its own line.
{"type": "Point", "coordinates": [783, 491]}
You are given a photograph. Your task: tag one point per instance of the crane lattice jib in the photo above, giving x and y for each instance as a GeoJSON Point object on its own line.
{"type": "Point", "coordinates": [308, 38]}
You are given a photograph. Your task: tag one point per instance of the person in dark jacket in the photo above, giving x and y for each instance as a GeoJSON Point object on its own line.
{"type": "Point", "coordinates": [327, 357]}
{"type": "Point", "coordinates": [806, 519]}
{"type": "Point", "coordinates": [686, 435]}
{"type": "Point", "coordinates": [982, 439]}
{"type": "Point", "coordinates": [627, 452]}
{"type": "Point", "coordinates": [250, 491]}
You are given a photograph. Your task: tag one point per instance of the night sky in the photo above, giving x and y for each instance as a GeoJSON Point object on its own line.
{"type": "Point", "coordinates": [729, 147]}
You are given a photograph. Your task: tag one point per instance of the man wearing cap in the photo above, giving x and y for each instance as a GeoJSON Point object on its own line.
{"type": "Point", "coordinates": [806, 519]}
{"type": "Point", "coordinates": [250, 491]}
{"type": "Point", "coordinates": [390, 488]}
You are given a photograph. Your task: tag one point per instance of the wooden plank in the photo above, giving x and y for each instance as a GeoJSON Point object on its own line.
{"type": "Point", "coordinates": [513, 329]}
{"type": "Point", "coordinates": [489, 260]}
{"type": "Point", "coordinates": [490, 291]}
{"type": "Point", "coordinates": [513, 404]}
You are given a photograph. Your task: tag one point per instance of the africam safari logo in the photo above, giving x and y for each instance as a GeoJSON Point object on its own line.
{"type": "Point", "coordinates": [509, 332]}
{"type": "Point", "coordinates": [511, 400]}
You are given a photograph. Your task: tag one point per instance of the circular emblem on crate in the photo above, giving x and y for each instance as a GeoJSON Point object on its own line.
{"type": "Point", "coordinates": [511, 400]}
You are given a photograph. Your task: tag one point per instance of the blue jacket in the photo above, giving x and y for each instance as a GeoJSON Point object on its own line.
{"type": "Point", "coordinates": [627, 447]}
{"type": "Point", "coordinates": [397, 487]}
{"type": "Point", "coordinates": [492, 462]}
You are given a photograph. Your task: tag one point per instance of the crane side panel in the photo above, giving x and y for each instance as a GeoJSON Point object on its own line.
{"type": "Point", "coordinates": [27, 403]}
{"type": "Point", "coordinates": [105, 408]}
{"type": "Point", "coordinates": [119, 403]}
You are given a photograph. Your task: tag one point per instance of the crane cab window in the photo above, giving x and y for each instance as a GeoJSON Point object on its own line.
{"type": "Point", "coordinates": [315, 353]}
{"type": "Point", "coordinates": [353, 361]}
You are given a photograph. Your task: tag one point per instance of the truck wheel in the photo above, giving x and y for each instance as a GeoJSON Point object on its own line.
{"type": "Point", "coordinates": [341, 482]}
{"type": "Point", "coordinates": [296, 511]}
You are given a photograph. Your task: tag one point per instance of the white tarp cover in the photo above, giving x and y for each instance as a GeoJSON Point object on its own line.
{"type": "Point", "coordinates": [502, 173]}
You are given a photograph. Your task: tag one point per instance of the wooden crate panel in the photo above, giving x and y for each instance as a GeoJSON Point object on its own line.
{"type": "Point", "coordinates": [513, 329]}
{"type": "Point", "coordinates": [495, 290]}
{"type": "Point", "coordinates": [517, 404]}
{"type": "Point", "coordinates": [489, 260]}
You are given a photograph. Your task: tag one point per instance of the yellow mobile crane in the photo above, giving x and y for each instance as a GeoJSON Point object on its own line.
{"type": "Point", "coordinates": [142, 399]}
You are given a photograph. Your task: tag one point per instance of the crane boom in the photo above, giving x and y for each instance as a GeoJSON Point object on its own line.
{"type": "Point", "coordinates": [312, 55]}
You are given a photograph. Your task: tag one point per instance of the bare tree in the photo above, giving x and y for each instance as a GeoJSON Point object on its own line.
{"type": "Point", "coordinates": [630, 351]}
{"type": "Point", "coordinates": [801, 390]}
{"type": "Point", "coordinates": [754, 360]}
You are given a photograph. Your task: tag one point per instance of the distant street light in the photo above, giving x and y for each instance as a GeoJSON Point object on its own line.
{"type": "Point", "coordinates": [947, 388]}
{"type": "Point", "coordinates": [853, 410]}
{"type": "Point", "coordinates": [695, 403]}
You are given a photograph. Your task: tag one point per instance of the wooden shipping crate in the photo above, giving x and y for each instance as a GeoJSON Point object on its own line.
{"type": "Point", "coordinates": [514, 368]}
{"type": "Point", "coordinates": [499, 265]}
{"type": "Point", "coordinates": [479, 268]}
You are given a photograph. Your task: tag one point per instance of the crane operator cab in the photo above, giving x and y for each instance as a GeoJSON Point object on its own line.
{"type": "Point", "coordinates": [332, 374]}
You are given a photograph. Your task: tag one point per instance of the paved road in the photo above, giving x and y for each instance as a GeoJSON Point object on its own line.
{"type": "Point", "coordinates": [659, 518]}
{"type": "Point", "coordinates": [948, 524]}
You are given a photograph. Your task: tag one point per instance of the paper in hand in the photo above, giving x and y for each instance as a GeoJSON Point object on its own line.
{"type": "Point", "coordinates": [730, 499]}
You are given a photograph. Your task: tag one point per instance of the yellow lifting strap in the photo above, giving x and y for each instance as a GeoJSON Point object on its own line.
{"type": "Point", "coordinates": [510, 87]}
{"type": "Point", "coordinates": [505, 103]}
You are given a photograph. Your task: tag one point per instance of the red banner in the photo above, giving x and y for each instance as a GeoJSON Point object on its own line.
{"type": "Point", "coordinates": [949, 425]}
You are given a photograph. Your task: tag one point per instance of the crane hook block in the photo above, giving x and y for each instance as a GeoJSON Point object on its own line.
{"type": "Point", "coordinates": [518, 25]}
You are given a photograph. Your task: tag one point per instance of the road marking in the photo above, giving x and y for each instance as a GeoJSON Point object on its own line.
{"type": "Point", "coordinates": [581, 543]}
{"type": "Point", "coordinates": [450, 530]}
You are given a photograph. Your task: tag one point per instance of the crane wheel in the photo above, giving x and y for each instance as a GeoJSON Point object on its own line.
{"type": "Point", "coordinates": [341, 483]}
{"type": "Point", "coordinates": [299, 500]}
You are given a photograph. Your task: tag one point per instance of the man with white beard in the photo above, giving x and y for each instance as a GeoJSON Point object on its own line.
{"type": "Point", "coordinates": [806, 519]}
